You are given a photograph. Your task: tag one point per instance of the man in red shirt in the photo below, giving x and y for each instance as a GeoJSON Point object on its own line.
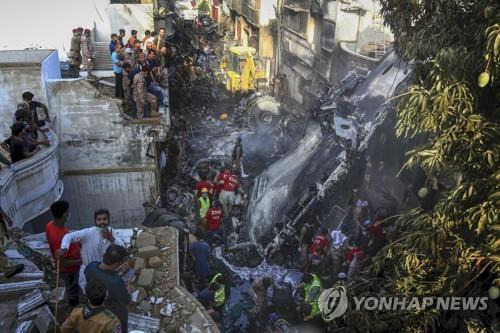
{"type": "Point", "coordinates": [214, 219]}
{"type": "Point", "coordinates": [203, 183]}
{"type": "Point", "coordinates": [69, 265]}
{"type": "Point", "coordinates": [319, 248]}
{"type": "Point", "coordinates": [353, 250]}
{"type": "Point", "coordinates": [221, 178]}
{"type": "Point", "coordinates": [227, 196]}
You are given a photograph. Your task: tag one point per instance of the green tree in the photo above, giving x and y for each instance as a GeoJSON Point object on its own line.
{"type": "Point", "coordinates": [203, 7]}
{"type": "Point", "coordinates": [453, 100]}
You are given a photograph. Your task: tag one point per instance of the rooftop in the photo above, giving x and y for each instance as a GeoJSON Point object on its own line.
{"type": "Point", "coordinates": [24, 56]}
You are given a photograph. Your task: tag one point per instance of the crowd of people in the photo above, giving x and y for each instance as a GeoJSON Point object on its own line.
{"type": "Point", "coordinates": [325, 257]}
{"type": "Point", "coordinates": [138, 66]}
{"type": "Point", "coordinates": [91, 262]}
{"type": "Point", "coordinates": [25, 141]}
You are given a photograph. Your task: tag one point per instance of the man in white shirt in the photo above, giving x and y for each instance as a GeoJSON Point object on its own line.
{"type": "Point", "coordinates": [94, 241]}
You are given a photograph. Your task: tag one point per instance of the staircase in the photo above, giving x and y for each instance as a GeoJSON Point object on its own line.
{"type": "Point", "coordinates": [378, 30]}
{"type": "Point", "coordinates": [102, 57]}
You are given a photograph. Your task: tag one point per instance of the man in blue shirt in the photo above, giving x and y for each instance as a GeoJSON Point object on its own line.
{"type": "Point", "coordinates": [115, 59]}
{"type": "Point", "coordinates": [113, 42]}
{"type": "Point", "coordinates": [113, 262]}
{"type": "Point", "coordinates": [200, 252]}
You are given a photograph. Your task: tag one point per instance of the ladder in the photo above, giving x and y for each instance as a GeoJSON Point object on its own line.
{"type": "Point", "coordinates": [378, 30]}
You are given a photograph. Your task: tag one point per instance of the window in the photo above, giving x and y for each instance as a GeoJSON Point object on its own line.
{"type": "Point", "coordinates": [328, 35]}
{"type": "Point", "coordinates": [296, 21]}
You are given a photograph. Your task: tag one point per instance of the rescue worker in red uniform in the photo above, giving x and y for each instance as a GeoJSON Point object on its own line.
{"type": "Point", "coordinates": [318, 250]}
{"type": "Point", "coordinates": [221, 177]}
{"type": "Point", "coordinates": [214, 219]}
{"type": "Point", "coordinates": [227, 196]}
{"type": "Point", "coordinates": [203, 183]}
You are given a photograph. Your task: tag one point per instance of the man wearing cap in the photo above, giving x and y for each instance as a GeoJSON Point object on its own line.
{"type": "Point", "coordinates": [74, 51]}
{"type": "Point", "coordinates": [87, 53]}
{"type": "Point", "coordinates": [203, 183]}
{"type": "Point", "coordinates": [203, 206]}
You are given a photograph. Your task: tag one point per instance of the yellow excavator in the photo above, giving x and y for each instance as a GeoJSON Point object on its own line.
{"type": "Point", "coordinates": [241, 72]}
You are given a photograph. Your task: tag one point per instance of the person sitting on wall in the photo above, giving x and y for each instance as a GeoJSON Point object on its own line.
{"type": "Point", "coordinates": [24, 114]}
{"type": "Point", "coordinates": [19, 147]}
{"type": "Point", "coordinates": [33, 105]}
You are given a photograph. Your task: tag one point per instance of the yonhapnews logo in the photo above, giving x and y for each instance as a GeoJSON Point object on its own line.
{"type": "Point", "coordinates": [333, 303]}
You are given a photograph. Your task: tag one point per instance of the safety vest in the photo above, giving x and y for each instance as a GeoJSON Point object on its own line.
{"type": "Point", "coordinates": [220, 294]}
{"type": "Point", "coordinates": [316, 282]}
{"type": "Point", "coordinates": [204, 206]}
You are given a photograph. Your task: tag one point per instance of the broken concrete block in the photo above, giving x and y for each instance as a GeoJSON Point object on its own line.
{"type": "Point", "coordinates": [25, 327]}
{"type": "Point", "coordinates": [157, 292]}
{"type": "Point", "coordinates": [154, 262]}
{"type": "Point", "coordinates": [139, 295]}
{"type": "Point", "coordinates": [143, 323]}
{"type": "Point", "coordinates": [145, 239]}
{"type": "Point", "coordinates": [145, 306]}
{"type": "Point", "coordinates": [30, 301]}
{"type": "Point", "coordinates": [42, 317]}
{"type": "Point", "coordinates": [148, 252]}
{"type": "Point", "coordinates": [139, 264]}
{"type": "Point", "coordinates": [15, 289]}
{"type": "Point", "coordinates": [146, 278]}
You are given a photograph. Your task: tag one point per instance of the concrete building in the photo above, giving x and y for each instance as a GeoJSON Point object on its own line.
{"type": "Point", "coordinates": [254, 25]}
{"type": "Point", "coordinates": [102, 160]}
{"type": "Point", "coordinates": [323, 40]}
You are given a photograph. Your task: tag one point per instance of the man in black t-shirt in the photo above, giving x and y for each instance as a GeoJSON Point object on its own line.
{"type": "Point", "coordinates": [22, 145]}
{"type": "Point", "coordinates": [33, 105]}
{"type": "Point", "coordinates": [18, 150]}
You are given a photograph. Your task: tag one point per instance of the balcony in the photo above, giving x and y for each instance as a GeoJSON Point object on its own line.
{"type": "Point", "coordinates": [28, 187]}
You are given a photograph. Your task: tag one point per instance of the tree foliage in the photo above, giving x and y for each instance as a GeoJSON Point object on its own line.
{"type": "Point", "coordinates": [453, 100]}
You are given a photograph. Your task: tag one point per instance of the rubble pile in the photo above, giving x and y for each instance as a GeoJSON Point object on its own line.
{"type": "Point", "coordinates": [159, 304]}
{"type": "Point", "coordinates": [28, 301]}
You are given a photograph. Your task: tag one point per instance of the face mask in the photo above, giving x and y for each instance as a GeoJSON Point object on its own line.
{"type": "Point", "coordinates": [69, 215]}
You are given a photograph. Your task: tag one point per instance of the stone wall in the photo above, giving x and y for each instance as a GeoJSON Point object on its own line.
{"type": "Point", "coordinates": [156, 290]}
